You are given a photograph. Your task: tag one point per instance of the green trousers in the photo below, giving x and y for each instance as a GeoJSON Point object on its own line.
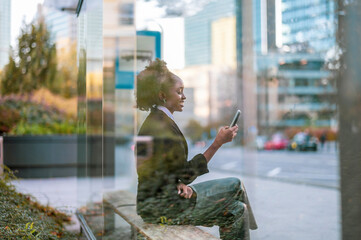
{"type": "Point", "coordinates": [223, 202]}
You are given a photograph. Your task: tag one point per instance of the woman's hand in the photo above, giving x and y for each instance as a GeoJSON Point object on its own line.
{"type": "Point", "coordinates": [226, 134]}
{"type": "Point", "coordinates": [184, 190]}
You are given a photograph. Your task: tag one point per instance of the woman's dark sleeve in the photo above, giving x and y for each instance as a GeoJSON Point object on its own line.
{"type": "Point", "coordinates": [175, 165]}
{"type": "Point", "coordinates": [197, 166]}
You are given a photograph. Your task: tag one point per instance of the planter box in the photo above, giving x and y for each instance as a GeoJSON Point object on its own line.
{"type": "Point", "coordinates": [59, 156]}
{"type": "Point", "coordinates": [41, 156]}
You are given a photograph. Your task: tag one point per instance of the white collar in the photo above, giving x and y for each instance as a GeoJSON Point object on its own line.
{"type": "Point", "coordinates": [166, 111]}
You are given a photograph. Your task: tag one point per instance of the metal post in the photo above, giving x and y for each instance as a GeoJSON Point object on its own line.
{"type": "Point", "coordinates": [109, 218]}
{"type": "Point", "coordinates": [349, 87]}
{"type": "Point", "coordinates": [249, 78]}
{"type": "Point", "coordinates": [1, 155]}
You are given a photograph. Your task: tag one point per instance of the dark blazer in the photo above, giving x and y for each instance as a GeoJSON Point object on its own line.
{"type": "Point", "coordinates": [166, 166]}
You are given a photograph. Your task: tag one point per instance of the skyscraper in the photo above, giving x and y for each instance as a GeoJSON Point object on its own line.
{"type": "Point", "coordinates": [210, 59]}
{"type": "Point", "coordinates": [5, 7]}
{"type": "Point", "coordinates": [294, 88]}
{"type": "Point", "coordinates": [198, 31]}
{"type": "Point", "coordinates": [62, 24]}
{"type": "Point", "coordinates": [264, 25]}
{"type": "Point", "coordinates": [206, 26]}
{"type": "Point", "coordinates": [309, 25]}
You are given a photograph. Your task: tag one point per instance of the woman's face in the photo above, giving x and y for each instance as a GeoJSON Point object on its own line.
{"type": "Point", "coordinates": [175, 96]}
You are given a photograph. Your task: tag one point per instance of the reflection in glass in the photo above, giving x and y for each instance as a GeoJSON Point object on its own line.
{"type": "Point", "coordinates": [274, 60]}
{"type": "Point", "coordinates": [164, 171]}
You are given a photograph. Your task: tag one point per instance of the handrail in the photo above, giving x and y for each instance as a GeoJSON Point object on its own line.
{"type": "Point", "coordinates": [85, 227]}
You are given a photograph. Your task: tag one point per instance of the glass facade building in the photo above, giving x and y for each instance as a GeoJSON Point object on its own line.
{"type": "Point", "coordinates": [62, 25]}
{"type": "Point", "coordinates": [294, 90]}
{"type": "Point", "coordinates": [309, 26]}
{"type": "Point", "coordinates": [198, 31]}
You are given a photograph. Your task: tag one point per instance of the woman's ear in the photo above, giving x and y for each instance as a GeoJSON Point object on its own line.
{"type": "Point", "coordinates": [161, 96]}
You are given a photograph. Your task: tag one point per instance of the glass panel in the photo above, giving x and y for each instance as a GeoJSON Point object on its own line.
{"type": "Point", "coordinates": [93, 161]}
{"type": "Point", "coordinates": [270, 59]}
{"type": "Point", "coordinates": [106, 59]}
{"type": "Point", "coordinates": [157, 80]}
{"type": "Point", "coordinates": [158, 83]}
{"type": "Point", "coordinates": [276, 61]}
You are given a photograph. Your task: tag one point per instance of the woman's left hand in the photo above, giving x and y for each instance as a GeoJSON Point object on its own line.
{"type": "Point", "coordinates": [184, 190]}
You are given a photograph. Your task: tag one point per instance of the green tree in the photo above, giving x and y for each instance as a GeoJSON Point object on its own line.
{"type": "Point", "coordinates": [33, 63]}
{"type": "Point", "coordinates": [67, 74]}
{"type": "Point", "coordinates": [10, 77]}
{"type": "Point", "coordinates": [194, 130]}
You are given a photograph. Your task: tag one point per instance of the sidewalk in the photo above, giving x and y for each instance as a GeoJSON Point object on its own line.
{"type": "Point", "coordinates": [284, 211]}
{"type": "Point", "coordinates": [288, 211]}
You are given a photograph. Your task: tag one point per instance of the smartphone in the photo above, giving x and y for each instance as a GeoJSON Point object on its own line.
{"type": "Point", "coordinates": [235, 119]}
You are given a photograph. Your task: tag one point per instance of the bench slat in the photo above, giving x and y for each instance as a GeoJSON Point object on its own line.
{"type": "Point", "coordinates": [123, 203]}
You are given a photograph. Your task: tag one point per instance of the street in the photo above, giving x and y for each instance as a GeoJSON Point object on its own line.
{"type": "Point", "coordinates": [319, 168]}
{"type": "Point", "coordinates": [295, 195]}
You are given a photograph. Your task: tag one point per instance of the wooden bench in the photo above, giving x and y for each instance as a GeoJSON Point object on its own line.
{"type": "Point", "coordinates": [123, 203]}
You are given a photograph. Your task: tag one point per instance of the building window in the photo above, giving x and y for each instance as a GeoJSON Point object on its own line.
{"type": "Point", "coordinates": [126, 14]}
{"type": "Point", "coordinates": [301, 82]}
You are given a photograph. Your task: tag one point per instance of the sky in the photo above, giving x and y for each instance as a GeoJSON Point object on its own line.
{"type": "Point", "coordinates": [149, 16]}
{"type": "Point", "coordinates": [172, 28]}
{"type": "Point", "coordinates": [21, 10]}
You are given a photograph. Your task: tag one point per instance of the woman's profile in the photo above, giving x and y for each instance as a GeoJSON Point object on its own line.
{"type": "Point", "coordinates": [164, 177]}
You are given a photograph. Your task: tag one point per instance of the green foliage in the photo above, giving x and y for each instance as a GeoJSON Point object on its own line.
{"type": "Point", "coordinates": [8, 118]}
{"type": "Point", "coordinates": [11, 77]}
{"type": "Point", "coordinates": [33, 64]}
{"type": "Point", "coordinates": [67, 74]}
{"type": "Point", "coordinates": [22, 217]}
{"type": "Point", "coordinates": [67, 127]}
{"type": "Point", "coordinates": [194, 130]}
{"type": "Point", "coordinates": [21, 116]}
{"type": "Point", "coordinates": [36, 63]}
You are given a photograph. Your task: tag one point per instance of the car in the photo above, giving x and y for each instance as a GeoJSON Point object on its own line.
{"type": "Point", "coordinates": [278, 142]}
{"type": "Point", "coordinates": [303, 142]}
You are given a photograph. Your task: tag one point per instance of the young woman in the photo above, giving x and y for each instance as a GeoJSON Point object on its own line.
{"type": "Point", "coordinates": [164, 193]}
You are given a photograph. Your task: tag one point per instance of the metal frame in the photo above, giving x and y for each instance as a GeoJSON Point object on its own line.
{"type": "Point", "coordinates": [85, 227]}
{"type": "Point", "coordinates": [78, 7]}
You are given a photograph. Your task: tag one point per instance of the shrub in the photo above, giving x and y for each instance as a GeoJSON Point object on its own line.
{"type": "Point", "coordinates": [23, 116]}
{"type": "Point", "coordinates": [22, 217]}
{"type": "Point", "coordinates": [67, 127]}
{"type": "Point", "coordinates": [194, 130]}
{"type": "Point", "coordinates": [8, 118]}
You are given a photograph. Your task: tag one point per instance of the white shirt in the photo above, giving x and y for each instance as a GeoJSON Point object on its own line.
{"type": "Point", "coordinates": [166, 111]}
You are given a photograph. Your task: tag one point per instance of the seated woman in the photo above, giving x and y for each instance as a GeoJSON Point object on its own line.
{"type": "Point", "coordinates": [164, 193]}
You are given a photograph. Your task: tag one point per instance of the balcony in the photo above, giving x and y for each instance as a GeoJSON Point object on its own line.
{"type": "Point", "coordinates": [310, 90]}
{"type": "Point", "coordinates": [298, 107]}
{"type": "Point", "coordinates": [297, 123]}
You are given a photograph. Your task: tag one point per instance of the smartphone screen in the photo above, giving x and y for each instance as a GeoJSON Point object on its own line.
{"type": "Point", "coordinates": [235, 119]}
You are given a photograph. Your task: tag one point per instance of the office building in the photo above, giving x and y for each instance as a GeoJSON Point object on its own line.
{"type": "Point", "coordinates": [292, 86]}
{"type": "Point", "coordinates": [5, 20]}
{"type": "Point", "coordinates": [308, 26]}
{"type": "Point", "coordinates": [294, 90]}
{"type": "Point", "coordinates": [210, 60]}
{"type": "Point", "coordinates": [223, 35]}
{"type": "Point", "coordinates": [198, 31]}
{"type": "Point", "coordinates": [62, 24]}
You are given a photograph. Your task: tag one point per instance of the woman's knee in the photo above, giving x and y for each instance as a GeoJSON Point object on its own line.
{"type": "Point", "coordinates": [238, 209]}
{"type": "Point", "coordinates": [236, 184]}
